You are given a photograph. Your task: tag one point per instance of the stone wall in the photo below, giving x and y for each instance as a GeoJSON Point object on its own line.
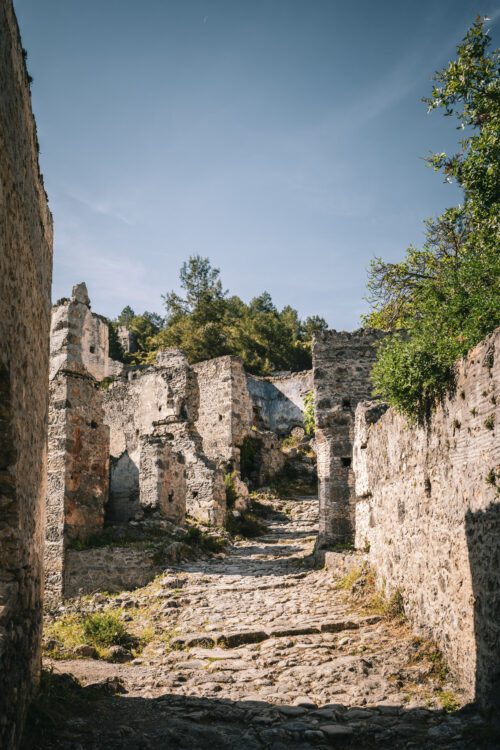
{"type": "Point", "coordinates": [225, 414]}
{"type": "Point", "coordinates": [342, 363]}
{"type": "Point", "coordinates": [429, 513]}
{"type": "Point", "coordinates": [25, 280]}
{"type": "Point", "coordinates": [111, 569]}
{"type": "Point", "coordinates": [78, 470]}
{"type": "Point", "coordinates": [127, 340]}
{"type": "Point", "coordinates": [78, 438]}
{"type": "Point", "coordinates": [278, 401]}
{"type": "Point", "coordinates": [161, 401]}
{"type": "Point", "coordinates": [80, 337]}
{"type": "Point", "coordinates": [162, 477]}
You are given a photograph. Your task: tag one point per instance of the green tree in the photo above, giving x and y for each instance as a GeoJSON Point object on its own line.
{"type": "Point", "coordinates": [446, 295]}
{"type": "Point", "coordinates": [125, 316]}
{"type": "Point", "coordinates": [206, 322]}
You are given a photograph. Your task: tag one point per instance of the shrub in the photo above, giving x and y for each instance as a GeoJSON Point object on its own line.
{"type": "Point", "coordinates": [105, 629]}
{"type": "Point", "coordinates": [231, 494]}
{"type": "Point", "coordinates": [309, 418]}
{"type": "Point", "coordinates": [245, 524]}
{"type": "Point", "coordinates": [410, 377]}
{"type": "Point", "coordinates": [248, 457]}
{"type": "Point", "coordinates": [210, 543]}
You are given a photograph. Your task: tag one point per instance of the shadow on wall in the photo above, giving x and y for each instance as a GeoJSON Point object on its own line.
{"type": "Point", "coordinates": [273, 409]}
{"type": "Point", "coordinates": [123, 503]}
{"type": "Point", "coordinates": [483, 541]}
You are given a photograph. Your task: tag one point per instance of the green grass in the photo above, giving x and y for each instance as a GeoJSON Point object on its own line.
{"type": "Point", "coordinates": [391, 607]}
{"type": "Point", "coordinates": [489, 422]}
{"type": "Point", "coordinates": [347, 582]}
{"type": "Point", "coordinates": [428, 650]}
{"type": "Point", "coordinates": [98, 629]}
{"type": "Point", "coordinates": [370, 600]}
{"type": "Point", "coordinates": [448, 700]}
{"type": "Point", "coordinates": [105, 629]}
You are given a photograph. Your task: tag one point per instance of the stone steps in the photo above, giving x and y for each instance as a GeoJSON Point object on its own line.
{"type": "Point", "coordinates": [242, 637]}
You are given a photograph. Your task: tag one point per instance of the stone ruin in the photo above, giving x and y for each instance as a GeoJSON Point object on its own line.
{"type": "Point", "coordinates": [427, 513]}
{"type": "Point", "coordinates": [342, 364]}
{"type": "Point", "coordinates": [128, 442]}
{"type": "Point", "coordinates": [421, 502]}
{"type": "Point", "coordinates": [25, 280]}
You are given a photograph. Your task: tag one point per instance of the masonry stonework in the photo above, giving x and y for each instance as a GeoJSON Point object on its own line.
{"type": "Point", "coordinates": [165, 434]}
{"type": "Point", "coordinates": [78, 438]}
{"type": "Point", "coordinates": [25, 280]}
{"type": "Point", "coordinates": [161, 402]}
{"type": "Point", "coordinates": [342, 364]}
{"type": "Point", "coordinates": [225, 413]}
{"type": "Point", "coordinates": [429, 513]}
{"type": "Point", "coordinates": [80, 338]}
{"type": "Point", "coordinates": [162, 477]}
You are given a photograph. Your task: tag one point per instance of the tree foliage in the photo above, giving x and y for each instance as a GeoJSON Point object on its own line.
{"type": "Point", "coordinates": [206, 321]}
{"type": "Point", "coordinates": [144, 327]}
{"type": "Point", "coordinates": [446, 295]}
{"type": "Point", "coordinates": [309, 416]}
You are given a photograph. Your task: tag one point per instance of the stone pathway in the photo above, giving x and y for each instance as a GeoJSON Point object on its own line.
{"type": "Point", "coordinates": [255, 649]}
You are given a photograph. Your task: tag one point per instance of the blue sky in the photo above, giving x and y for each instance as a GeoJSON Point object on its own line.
{"type": "Point", "coordinates": [281, 138]}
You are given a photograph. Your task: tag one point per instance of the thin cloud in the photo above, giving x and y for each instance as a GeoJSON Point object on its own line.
{"type": "Point", "coordinates": [104, 208]}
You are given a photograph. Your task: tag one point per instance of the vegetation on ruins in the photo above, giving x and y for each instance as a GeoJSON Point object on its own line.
{"type": "Point", "coordinates": [209, 322]}
{"type": "Point", "coordinates": [444, 298]}
{"type": "Point", "coordinates": [309, 418]}
{"type": "Point", "coordinates": [100, 630]}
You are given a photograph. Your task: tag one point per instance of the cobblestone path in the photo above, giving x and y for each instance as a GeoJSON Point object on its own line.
{"type": "Point", "coordinates": [255, 649]}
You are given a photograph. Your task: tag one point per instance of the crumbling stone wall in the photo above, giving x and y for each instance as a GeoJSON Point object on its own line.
{"type": "Point", "coordinates": [161, 402]}
{"type": "Point", "coordinates": [79, 336]}
{"type": "Point", "coordinates": [127, 340]}
{"type": "Point", "coordinates": [278, 401]}
{"type": "Point", "coordinates": [78, 471]}
{"type": "Point", "coordinates": [25, 279]}
{"type": "Point", "coordinates": [162, 477]}
{"type": "Point", "coordinates": [342, 363]}
{"type": "Point", "coordinates": [78, 438]}
{"type": "Point", "coordinates": [226, 422]}
{"type": "Point", "coordinates": [429, 513]}
{"type": "Point", "coordinates": [225, 413]}
{"type": "Point", "coordinates": [111, 569]}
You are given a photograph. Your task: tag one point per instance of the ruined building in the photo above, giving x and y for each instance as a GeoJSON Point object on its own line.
{"type": "Point", "coordinates": [428, 512]}
{"type": "Point", "coordinates": [421, 502]}
{"type": "Point", "coordinates": [342, 364]}
{"type": "Point", "coordinates": [128, 441]}
{"type": "Point", "coordinates": [25, 280]}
